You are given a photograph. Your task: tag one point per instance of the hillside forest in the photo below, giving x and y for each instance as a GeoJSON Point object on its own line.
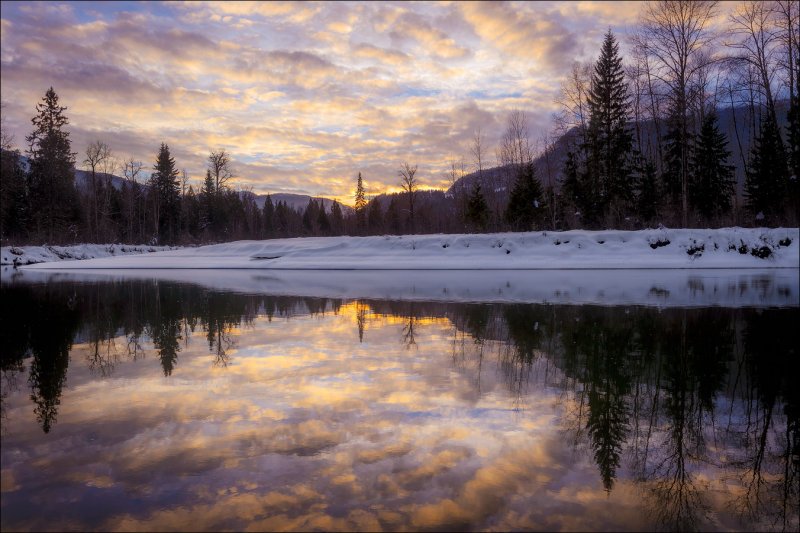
{"type": "Point", "coordinates": [693, 127]}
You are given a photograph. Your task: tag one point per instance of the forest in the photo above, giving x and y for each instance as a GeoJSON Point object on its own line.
{"type": "Point", "coordinates": [637, 141]}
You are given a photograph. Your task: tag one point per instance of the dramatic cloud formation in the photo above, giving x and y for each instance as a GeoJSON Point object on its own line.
{"type": "Point", "coordinates": [303, 95]}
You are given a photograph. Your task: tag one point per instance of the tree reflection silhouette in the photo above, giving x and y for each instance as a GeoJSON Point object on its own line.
{"type": "Point", "coordinates": [656, 392]}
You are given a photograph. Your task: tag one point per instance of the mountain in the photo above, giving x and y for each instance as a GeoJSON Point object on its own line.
{"type": "Point", "coordinates": [497, 181]}
{"type": "Point", "coordinates": [298, 202]}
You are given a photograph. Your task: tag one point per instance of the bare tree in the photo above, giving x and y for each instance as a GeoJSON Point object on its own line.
{"type": "Point", "coordinates": [787, 20]}
{"type": "Point", "coordinates": [478, 151]}
{"type": "Point", "coordinates": [572, 99]}
{"type": "Point", "coordinates": [131, 168]}
{"type": "Point", "coordinates": [673, 33]}
{"type": "Point", "coordinates": [409, 183]}
{"type": "Point", "coordinates": [753, 23]}
{"type": "Point", "coordinates": [6, 138]}
{"type": "Point", "coordinates": [97, 153]}
{"type": "Point", "coordinates": [454, 176]}
{"type": "Point", "coordinates": [219, 162]}
{"type": "Point", "coordinates": [515, 146]}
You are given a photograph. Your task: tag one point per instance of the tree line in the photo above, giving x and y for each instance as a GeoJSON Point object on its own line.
{"type": "Point", "coordinates": [634, 144]}
{"type": "Point", "coordinates": [637, 141]}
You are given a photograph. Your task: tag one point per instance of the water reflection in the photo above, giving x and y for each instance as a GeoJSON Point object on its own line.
{"type": "Point", "coordinates": [271, 412]}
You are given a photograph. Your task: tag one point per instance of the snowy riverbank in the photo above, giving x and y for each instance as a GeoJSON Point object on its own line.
{"type": "Point", "coordinates": [27, 255]}
{"type": "Point", "coordinates": [578, 249]}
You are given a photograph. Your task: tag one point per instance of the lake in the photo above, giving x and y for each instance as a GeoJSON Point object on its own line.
{"type": "Point", "coordinates": [145, 403]}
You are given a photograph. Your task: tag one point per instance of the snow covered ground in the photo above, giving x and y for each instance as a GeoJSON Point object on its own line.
{"type": "Point", "coordinates": [26, 255]}
{"type": "Point", "coordinates": [578, 249]}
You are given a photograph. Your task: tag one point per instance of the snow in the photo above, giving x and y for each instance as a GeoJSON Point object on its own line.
{"type": "Point", "coordinates": [660, 248]}
{"type": "Point", "coordinates": [26, 255]}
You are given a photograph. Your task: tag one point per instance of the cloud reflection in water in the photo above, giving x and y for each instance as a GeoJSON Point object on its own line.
{"type": "Point", "coordinates": [335, 419]}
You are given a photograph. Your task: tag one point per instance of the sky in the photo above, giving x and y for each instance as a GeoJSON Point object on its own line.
{"type": "Point", "coordinates": [302, 95]}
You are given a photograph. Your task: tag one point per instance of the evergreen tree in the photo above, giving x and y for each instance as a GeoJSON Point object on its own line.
{"type": "Point", "coordinates": [51, 185]}
{"type": "Point", "coordinates": [13, 197]}
{"type": "Point", "coordinates": [674, 148]}
{"type": "Point", "coordinates": [648, 193]}
{"type": "Point", "coordinates": [164, 182]}
{"type": "Point", "coordinates": [712, 182]}
{"type": "Point", "coordinates": [323, 222]}
{"type": "Point", "coordinates": [337, 219]}
{"type": "Point", "coordinates": [361, 204]}
{"type": "Point", "coordinates": [609, 140]}
{"type": "Point", "coordinates": [269, 218]}
{"type": "Point", "coordinates": [793, 139]}
{"type": "Point", "coordinates": [207, 203]}
{"type": "Point", "coordinates": [571, 186]}
{"type": "Point", "coordinates": [477, 214]}
{"type": "Point", "coordinates": [525, 209]}
{"type": "Point", "coordinates": [767, 177]}
{"type": "Point", "coordinates": [310, 217]}
{"type": "Point", "coordinates": [392, 218]}
{"type": "Point", "coordinates": [191, 212]}
{"type": "Point", "coordinates": [375, 217]}
{"type": "Point", "coordinates": [282, 219]}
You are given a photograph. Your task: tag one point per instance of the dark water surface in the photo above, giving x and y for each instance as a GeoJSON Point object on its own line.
{"type": "Point", "coordinates": [156, 405]}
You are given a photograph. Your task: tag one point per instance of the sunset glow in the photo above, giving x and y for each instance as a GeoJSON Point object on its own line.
{"type": "Point", "coordinates": [303, 95]}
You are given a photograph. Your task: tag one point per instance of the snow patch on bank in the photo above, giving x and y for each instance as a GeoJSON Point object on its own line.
{"type": "Point", "coordinates": [577, 249]}
{"type": "Point", "coordinates": [28, 255]}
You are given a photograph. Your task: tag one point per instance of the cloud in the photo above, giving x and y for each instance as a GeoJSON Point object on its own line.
{"type": "Point", "coordinates": [302, 95]}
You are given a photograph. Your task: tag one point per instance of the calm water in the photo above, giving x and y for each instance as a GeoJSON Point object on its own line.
{"type": "Point", "coordinates": [155, 405]}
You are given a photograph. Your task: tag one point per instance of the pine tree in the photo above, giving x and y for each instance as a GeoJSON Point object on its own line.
{"type": "Point", "coordinates": [360, 205]}
{"type": "Point", "coordinates": [269, 218]}
{"type": "Point", "coordinates": [793, 139]}
{"type": "Point", "coordinates": [207, 203]}
{"type": "Point", "coordinates": [53, 197]}
{"type": "Point", "coordinates": [310, 217]}
{"type": "Point", "coordinates": [13, 197]}
{"type": "Point", "coordinates": [477, 214]}
{"type": "Point", "coordinates": [648, 195]}
{"type": "Point", "coordinates": [767, 177]}
{"type": "Point", "coordinates": [712, 184]}
{"type": "Point", "coordinates": [392, 219]}
{"type": "Point", "coordinates": [375, 217]}
{"type": "Point", "coordinates": [525, 209]}
{"type": "Point", "coordinates": [323, 222]}
{"type": "Point", "coordinates": [571, 186]}
{"type": "Point", "coordinates": [164, 182]}
{"type": "Point", "coordinates": [674, 156]}
{"type": "Point", "coordinates": [610, 142]}
{"type": "Point", "coordinates": [337, 219]}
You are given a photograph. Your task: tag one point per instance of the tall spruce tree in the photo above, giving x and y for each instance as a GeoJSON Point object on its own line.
{"type": "Point", "coordinates": [767, 177]}
{"type": "Point", "coordinates": [712, 184]}
{"type": "Point", "coordinates": [610, 141]}
{"type": "Point", "coordinates": [525, 209]}
{"type": "Point", "coordinates": [53, 197]}
{"type": "Point", "coordinates": [360, 205]}
{"type": "Point", "coordinates": [164, 183]}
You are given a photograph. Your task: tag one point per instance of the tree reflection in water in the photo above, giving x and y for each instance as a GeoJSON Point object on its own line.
{"type": "Point", "coordinates": [654, 393]}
